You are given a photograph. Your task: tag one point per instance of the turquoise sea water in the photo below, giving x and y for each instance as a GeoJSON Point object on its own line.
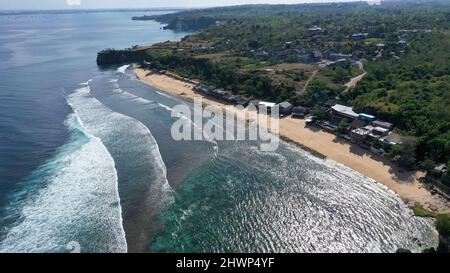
{"type": "Point", "coordinates": [87, 159]}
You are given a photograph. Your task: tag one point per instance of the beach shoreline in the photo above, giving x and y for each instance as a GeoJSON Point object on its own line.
{"type": "Point", "coordinates": [405, 184]}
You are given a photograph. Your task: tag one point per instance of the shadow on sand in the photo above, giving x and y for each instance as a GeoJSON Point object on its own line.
{"type": "Point", "coordinates": [399, 174]}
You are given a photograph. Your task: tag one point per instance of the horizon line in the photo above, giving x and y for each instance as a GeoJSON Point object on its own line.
{"type": "Point", "coordinates": [79, 8]}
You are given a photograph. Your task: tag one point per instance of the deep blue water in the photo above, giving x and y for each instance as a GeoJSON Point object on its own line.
{"type": "Point", "coordinates": [87, 159]}
{"type": "Point", "coordinates": [45, 58]}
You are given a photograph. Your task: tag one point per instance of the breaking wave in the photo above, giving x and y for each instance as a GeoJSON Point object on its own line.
{"type": "Point", "coordinates": [143, 184]}
{"type": "Point", "coordinates": [123, 68]}
{"type": "Point", "coordinates": [78, 203]}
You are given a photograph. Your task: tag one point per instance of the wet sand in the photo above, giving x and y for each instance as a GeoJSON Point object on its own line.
{"type": "Point", "coordinates": [405, 183]}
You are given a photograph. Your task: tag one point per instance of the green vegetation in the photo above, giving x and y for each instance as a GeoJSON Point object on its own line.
{"type": "Point", "coordinates": [271, 52]}
{"type": "Point", "coordinates": [413, 93]}
{"type": "Point", "coordinates": [343, 125]}
{"type": "Point", "coordinates": [404, 153]}
{"type": "Point", "coordinates": [442, 220]}
{"type": "Point", "coordinates": [443, 224]}
{"type": "Point", "coordinates": [319, 113]}
{"type": "Point", "coordinates": [421, 212]}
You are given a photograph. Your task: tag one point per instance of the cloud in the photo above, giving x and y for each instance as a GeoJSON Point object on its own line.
{"type": "Point", "coordinates": [73, 2]}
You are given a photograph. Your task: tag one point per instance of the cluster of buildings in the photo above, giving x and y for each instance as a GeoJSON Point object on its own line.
{"type": "Point", "coordinates": [416, 30]}
{"type": "Point", "coordinates": [220, 94]}
{"type": "Point", "coordinates": [364, 129]}
{"type": "Point", "coordinates": [360, 36]}
{"type": "Point", "coordinates": [290, 54]}
{"type": "Point", "coordinates": [323, 58]}
{"type": "Point", "coordinates": [284, 108]}
{"type": "Point", "coordinates": [330, 59]}
{"type": "Point", "coordinates": [327, 58]}
{"type": "Point", "coordinates": [315, 30]}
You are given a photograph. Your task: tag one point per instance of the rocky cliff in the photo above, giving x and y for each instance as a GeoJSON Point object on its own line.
{"type": "Point", "coordinates": [112, 56]}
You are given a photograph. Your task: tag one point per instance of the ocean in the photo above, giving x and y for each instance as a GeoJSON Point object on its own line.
{"type": "Point", "coordinates": [87, 162]}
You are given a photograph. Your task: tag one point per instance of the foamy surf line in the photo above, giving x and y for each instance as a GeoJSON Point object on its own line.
{"type": "Point", "coordinates": [86, 83]}
{"type": "Point", "coordinates": [116, 89]}
{"type": "Point", "coordinates": [138, 160]}
{"type": "Point", "coordinates": [366, 216]}
{"type": "Point", "coordinates": [164, 94]}
{"type": "Point", "coordinates": [122, 231]}
{"type": "Point", "coordinates": [128, 95]}
{"type": "Point", "coordinates": [97, 106]}
{"type": "Point", "coordinates": [123, 68]}
{"type": "Point", "coordinates": [119, 90]}
{"type": "Point", "coordinates": [78, 202]}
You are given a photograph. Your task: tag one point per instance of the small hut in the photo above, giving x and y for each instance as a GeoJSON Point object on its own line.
{"type": "Point", "coordinates": [285, 108]}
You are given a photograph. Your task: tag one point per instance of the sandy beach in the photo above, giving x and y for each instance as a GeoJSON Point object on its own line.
{"type": "Point", "coordinates": [405, 183]}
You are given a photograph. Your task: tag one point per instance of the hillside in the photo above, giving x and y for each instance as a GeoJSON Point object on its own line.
{"type": "Point", "coordinates": [307, 53]}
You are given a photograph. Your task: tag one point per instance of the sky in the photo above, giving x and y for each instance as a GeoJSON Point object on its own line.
{"type": "Point", "coordinates": [95, 4]}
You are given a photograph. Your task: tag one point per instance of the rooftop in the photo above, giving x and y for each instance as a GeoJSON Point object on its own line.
{"type": "Point", "coordinates": [285, 104]}
{"type": "Point", "coordinates": [267, 104]}
{"type": "Point", "coordinates": [367, 116]}
{"type": "Point", "coordinates": [361, 131]}
{"type": "Point", "coordinates": [357, 123]}
{"type": "Point", "coordinates": [441, 168]}
{"type": "Point", "coordinates": [393, 138]}
{"type": "Point", "coordinates": [314, 28]}
{"type": "Point", "coordinates": [383, 124]}
{"type": "Point", "coordinates": [345, 110]}
{"type": "Point", "coordinates": [380, 130]}
{"type": "Point", "coordinates": [360, 34]}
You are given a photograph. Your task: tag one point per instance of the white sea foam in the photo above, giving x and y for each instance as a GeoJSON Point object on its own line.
{"type": "Point", "coordinates": [156, 154]}
{"type": "Point", "coordinates": [86, 83]}
{"type": "Point", "coordinates": [168, 108]}
{"type": "Point", "coordinates": [79, 201]}
{"type": "Point", "coordinates": [130, 140]}
{"type": "Point", "coordinates": [327, 207]}
{"type": "Point", "coordinates": [123, 68]}
{"type": "Point", "coordinates": [128, 95]}
{"type": "Point", "coordinates": [164, 95]}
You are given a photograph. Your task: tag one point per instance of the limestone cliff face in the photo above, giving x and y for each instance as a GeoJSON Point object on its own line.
{"type": "Point", "coordinates": [112, 57]}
